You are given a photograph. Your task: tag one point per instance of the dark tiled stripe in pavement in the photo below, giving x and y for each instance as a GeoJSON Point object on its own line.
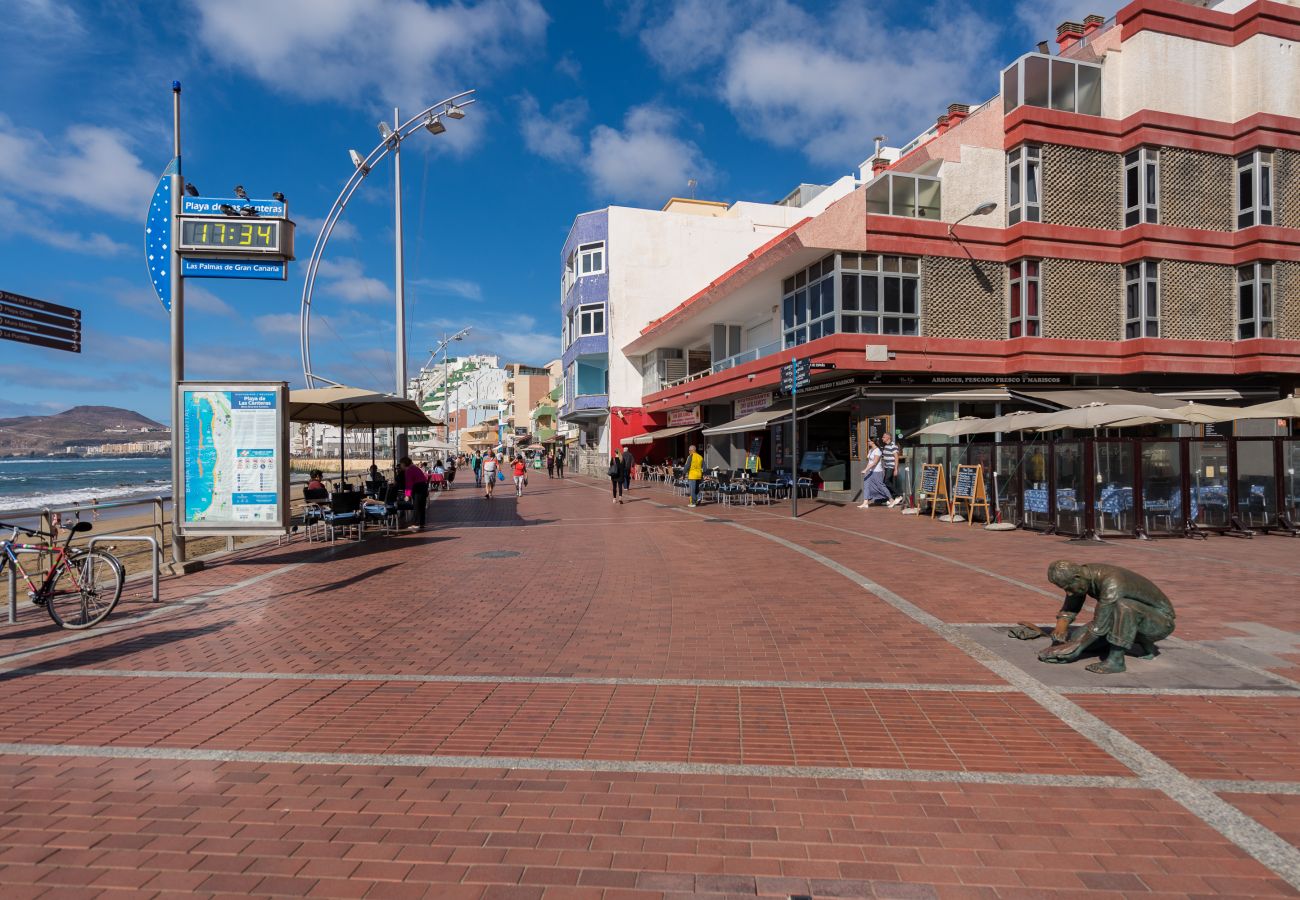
{"type": "Point", "coordinates": [984, 732]}
{"type": "Point", "coordinates": [388, 831]}
{"type": "Point", "coordinates": [1255, 839]}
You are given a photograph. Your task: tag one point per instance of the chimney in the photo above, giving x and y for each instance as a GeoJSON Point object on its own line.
{"type": "Point", "coordinates": [956, 113]}
{"type": "Point", "coordinates": [1092, 23]}
{"type": "Point", "coordinates": [878, 165]}
{"type": "Point", "coordinates": [941, 124]}
{"type": "Point", "coordinates": [1067, 35]}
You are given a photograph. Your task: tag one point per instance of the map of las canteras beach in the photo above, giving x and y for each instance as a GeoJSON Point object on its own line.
{"type": "Point", "coordinates": [232, 465]}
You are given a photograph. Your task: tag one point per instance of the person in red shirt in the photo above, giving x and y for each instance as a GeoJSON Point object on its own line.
{"type": "Point", "coordinates": [520, 469]}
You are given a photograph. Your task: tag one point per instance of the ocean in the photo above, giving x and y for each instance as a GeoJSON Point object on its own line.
{"type": "Point", "coordinates": [34, 483]}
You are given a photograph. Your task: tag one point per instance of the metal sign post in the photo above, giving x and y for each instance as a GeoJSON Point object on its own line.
{"type": "Point", "coordinates": [176, 295]}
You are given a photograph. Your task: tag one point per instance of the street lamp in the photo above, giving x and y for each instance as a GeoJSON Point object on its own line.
{"type": "Point", "coordinates": [433, 354]}
{"type": "Point", "coordinates": [982, 210]}
{"type": "Point", "coordinates": [390, 143]}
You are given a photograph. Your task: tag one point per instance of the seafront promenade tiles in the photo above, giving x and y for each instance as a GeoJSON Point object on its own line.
{"type": "Point", "coordinates": [646, 701]}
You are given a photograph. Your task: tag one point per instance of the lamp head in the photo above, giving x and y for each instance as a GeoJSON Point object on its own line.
{"type": "Point", "coordinates": [434, 125]}
{"type": "Point", "coordinates": [985, 208]}
{"type": "Point", "coordinates": [385, 130]}
{"type": "Point", "coordinates": [455, 112]}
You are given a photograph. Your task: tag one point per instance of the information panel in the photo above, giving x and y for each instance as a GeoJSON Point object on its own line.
{"type": "Point", "coordinates": [234, 464]}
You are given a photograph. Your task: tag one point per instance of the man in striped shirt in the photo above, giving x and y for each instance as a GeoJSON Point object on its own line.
{"type": "Point", "coordinates": [889, 462]}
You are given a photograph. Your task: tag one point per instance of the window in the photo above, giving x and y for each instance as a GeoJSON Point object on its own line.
{"type": "Point", "coordinates": [591, 319]}
{"type": "Point", "coordinates": [1141, 186]}
{"type": "Point", "coordinates": [569, 276]}
{"type": "Point", "coordinates": [1038, 79]}
{"type": "Point", "coordinates": [591, 259]}
{"type": "Point", "coordinates": [808, 304]}
{"type": "Point", "coordinates": [884, 298]}
{"type": "Point", "coordinates": [1255, 301]}
{"type": "Point", "coordinates": [1255, 188]}
{"type": "Point", "coordinates": [1024, 185]}
{"type": "Point", "coordinates": [1142, 299]}
{"type": "Point", "coordinates": [1025, 314]}
{"type": "Point", "coordinates": [896, 194]}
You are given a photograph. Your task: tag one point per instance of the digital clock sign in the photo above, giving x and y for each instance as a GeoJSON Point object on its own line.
{"type": "Point", "coordinates": [237, 235]}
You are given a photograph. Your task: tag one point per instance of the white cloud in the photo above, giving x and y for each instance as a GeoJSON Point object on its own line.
{"type": "Point", "coordinates": [647, 160]}
{"type": "Point", "coordinates": [346, 278]}
{"type": "Point", "coordinates": [394, 51]}
{"type": "Point", "coordinates": [569, 67]}
{"type": "Point", "coordinates": [553, 135]}
{"type": "Point", "coordinates": [309, 226]}
{"type": "Point", "coordinates": [455, 287]}
{"type": "Point", "coordinates": [512, 336]}
{"type": "Point", "coordinates": [824, 84]}
{"type": "Point", "coordinates": [200, 299]}
{"type": "Point", "coordinates": [89, 166]}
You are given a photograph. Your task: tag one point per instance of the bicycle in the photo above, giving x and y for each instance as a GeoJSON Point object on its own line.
{"type": "Point", "coordinates": [81, 587]}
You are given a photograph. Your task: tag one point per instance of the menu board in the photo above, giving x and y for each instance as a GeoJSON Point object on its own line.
{"type": "Point", "coordinates": [234, 468]}
{"type": "Point", "coordinates": [965, 484]}
{"type": "Point", "coordinates": [929, 479]}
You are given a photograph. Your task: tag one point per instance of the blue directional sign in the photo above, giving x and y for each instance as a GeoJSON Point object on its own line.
{"type": "Point", "coordinates": [211, 206]}
{"type": "Point", "coordinates": [225, 267]}
{"type": "Point", "coordinates": [158, 236]}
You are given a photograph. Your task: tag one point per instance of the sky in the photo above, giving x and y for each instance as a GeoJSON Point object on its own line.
{"type": "Point", "coordinates": [580, 105]}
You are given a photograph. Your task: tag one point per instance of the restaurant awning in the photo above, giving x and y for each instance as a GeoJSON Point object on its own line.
{"type": "Point", "coordinates": [752, 422]}
{"type": "Point", "coordinates": [652, 436]}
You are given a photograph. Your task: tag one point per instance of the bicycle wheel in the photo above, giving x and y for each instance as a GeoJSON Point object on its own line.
{"type": "Point", "coordinates": [85, 590]}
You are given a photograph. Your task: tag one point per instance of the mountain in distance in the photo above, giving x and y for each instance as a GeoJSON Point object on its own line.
{"type": "Point", "coordinates": [76, 428]}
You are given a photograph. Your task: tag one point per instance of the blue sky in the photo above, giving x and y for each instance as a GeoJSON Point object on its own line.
{"type": "Point", "coordinates": [580, 105]}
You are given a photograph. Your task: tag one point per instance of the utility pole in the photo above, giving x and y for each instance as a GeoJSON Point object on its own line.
{"type": "Point", "coordinates": [177, 331]}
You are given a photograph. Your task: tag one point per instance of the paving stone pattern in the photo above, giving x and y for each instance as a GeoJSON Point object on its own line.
{"type": "Point", "coordinates": [684, 692]}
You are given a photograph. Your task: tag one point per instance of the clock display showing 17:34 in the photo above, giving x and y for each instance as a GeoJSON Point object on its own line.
{"type": "Point", "coordinates": [231, 234]}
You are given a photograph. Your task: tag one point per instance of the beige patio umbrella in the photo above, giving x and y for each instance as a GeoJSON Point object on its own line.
{"type": "Point", "coordinates": [352, 407]}
{"type": "Point", "coordinates": [1104, 415]}
{"type": "Point", "coordinates": [1194, 413]}
{"type": "Point", "coordinates": [948, 427]}
{"type": "Point", "coordinates": [1021, 420]}
{"type": "Point", "coordinates": [1286, 408]}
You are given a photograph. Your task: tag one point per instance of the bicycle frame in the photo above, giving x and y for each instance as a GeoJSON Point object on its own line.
{"type": "Point", "coordinates": [60, 558]}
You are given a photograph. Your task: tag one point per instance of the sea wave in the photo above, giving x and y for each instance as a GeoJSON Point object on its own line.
{"type": "Point", "coordinates": [81, 496]}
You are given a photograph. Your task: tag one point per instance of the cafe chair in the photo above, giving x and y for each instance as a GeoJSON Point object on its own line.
{"type": "Point", "coordinates": [344, 514]}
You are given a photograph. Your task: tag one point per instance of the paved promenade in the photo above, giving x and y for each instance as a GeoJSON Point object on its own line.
{"type": "Point", "coordinates": [560, 697]}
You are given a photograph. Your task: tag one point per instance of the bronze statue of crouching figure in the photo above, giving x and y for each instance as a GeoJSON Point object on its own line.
{"type": "Point", "coordinates": [1131, 611]}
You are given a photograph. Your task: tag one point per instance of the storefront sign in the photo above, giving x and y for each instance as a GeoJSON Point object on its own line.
{"type": "Point", "coordinates": [756, 403]}
{"type": "Point", "coordinates": [688, 416]}
{"type": "Point", "coordinates": [966, 380]}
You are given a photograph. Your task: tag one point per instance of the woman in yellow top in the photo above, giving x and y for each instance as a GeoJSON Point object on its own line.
{"type": "Point", "coordinates": [694, 473]}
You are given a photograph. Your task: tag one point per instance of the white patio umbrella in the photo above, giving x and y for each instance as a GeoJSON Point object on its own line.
{"type": "Point", "coordinates": [1021, 420]}
{"type": "Point", "coordinates": [1194, 413]}
{"type": "Point", "coordinates": [949, 427]}
{"type": "Point", "coordinates": [1286, 408]}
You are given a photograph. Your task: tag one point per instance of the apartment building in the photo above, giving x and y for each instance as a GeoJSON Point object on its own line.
{"type": "Point", "coordinates": [1124, 214]}
{"type": "Point", "coordinates": [622, 267]}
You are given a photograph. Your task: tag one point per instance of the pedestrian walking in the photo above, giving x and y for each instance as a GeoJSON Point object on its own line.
{"type": "Point", "coordinates": [417, 491]}
{"type": "Point", "coordinates": [629, 463]}
{"type": "Point", "coordinates": [694, 474]}
{"type": "Point", "coordinates": [888, 462]}
{"type": "Point", "coordinates": [550, 463]}
{"type": "Point", "coordinates": [874, 492]}
{"type": "Point", "coordinates": [489, 475]}
{"type": "Point", "coordinates": [520, 469]}
{"type": "Point", "coordinates": [560, 456]}
{"type": "Point", "coordinates": [616, 477]}
{"type": "Point", "coordinates": [477, 464]}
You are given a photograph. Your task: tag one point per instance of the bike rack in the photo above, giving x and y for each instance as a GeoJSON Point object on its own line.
{"type": "Point", "coordinates": [13, 583]}
{"type": "Point", "coordinates": [143, 538]}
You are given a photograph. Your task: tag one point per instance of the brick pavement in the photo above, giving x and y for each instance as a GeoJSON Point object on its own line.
{"type": "Point", "coordinates": [683, 690]}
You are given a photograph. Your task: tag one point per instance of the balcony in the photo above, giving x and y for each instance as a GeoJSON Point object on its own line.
{"type": "Point", "coordinates": [900, 194]}
{"type": "Point", "coordinates": [1051, 82]}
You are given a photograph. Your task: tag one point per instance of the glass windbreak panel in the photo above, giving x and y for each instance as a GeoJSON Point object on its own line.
{"type": "Point", "coordinates": [1291, 472]}
{"type": "Point", "coordinates": [1209, 478]}
{"type": "Point", "coordinates": [903, 195]}
{"type": "Point", "coordinates": [1162, 480]}
{"type": "Point", "coordinates": [1008, 483]}
{"type": "Point", "coordinates": [1089, 91]}
{"type": "Point", "coordinates": [1063, 85]}
{"type": "Point", "coordinates": [878, 198]}
{"type": "Point", "coordinates": [982, 455]}
{"type": "Point", "coordinates": [1011, 88]}
{"type": "Point", "coordinates": [1035, 68]}
{"type": "Point", "coordinates": [1256, 483]}
{"type": "Point", "coordinates": [927, 198]}
{"type": "Point", "coordinates": [1035, 498]}
{"type": "Point", "coordinates": [1114, 491]}
{"type": "Point", "coordinates": [1069, 487]}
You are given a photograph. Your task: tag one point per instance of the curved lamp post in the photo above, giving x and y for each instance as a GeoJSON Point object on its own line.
{"type": "Point", "coordinates": [430, 118]}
